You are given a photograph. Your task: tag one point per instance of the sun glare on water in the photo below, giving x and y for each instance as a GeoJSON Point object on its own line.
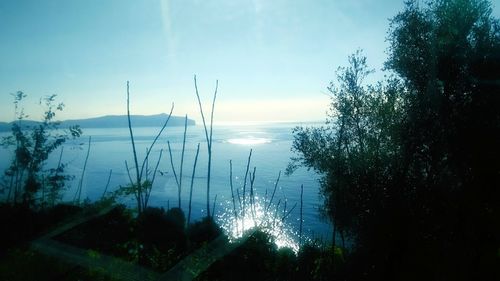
{"type": "Point", "coordinates": [266, 218]}
{"type": "Point", "coordinates": [248, 141]}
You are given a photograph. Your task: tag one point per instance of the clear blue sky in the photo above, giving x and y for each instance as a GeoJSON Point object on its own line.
{"type": "Point", "coordinates": [273, 58]}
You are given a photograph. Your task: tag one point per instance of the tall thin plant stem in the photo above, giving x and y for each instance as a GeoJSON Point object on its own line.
{"type": "Point", "coordinates": [301, 213]}
{"type": "Point", "coordinates": [136, 162]}
{"type": "Point", "coordinates": [232, 191]}
{"type": "Point", "coordinates": [150, 187]}
{"type": "Point", "coordinates": [245, 183]}
{"type": "Point", "coordinates": [175, 174]}
{"type": "Point", "coordinates": [80, 184]}
{"type": "Point", "coordinates": [252, 195]}
{"type": "Point", "coordinates": [139, 192]}
{"type": "Point", "coordinates": [192, 182]}
{"type": "Point", "coordinates": [213, 208]}
{"type": "Point", "coordinates": [274, 191]}
{"type": "Point", "coordinates": [128, 174]}
{"type": "Point", "coordinates": [289, 211]}
{"type": "Point", "coordinates": [107, 184]}
{"type": "Point", "coordinates": [182, 158]}
{"type": "Point", "coordinates": [207, 136]}
{"type": "Point", "coordinates": [156, 138]}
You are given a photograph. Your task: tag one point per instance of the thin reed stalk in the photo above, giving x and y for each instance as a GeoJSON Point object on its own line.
{"type": "Point", "coordinates": [274, 191]}
{"type": "Point", "coordinates": [134, 151]}
{"type": "Point", "coordinates": [252, 196]}
{"type": "Point", "coordinates": [175, 174]}
{"type": "Point", "coordinates": [207, 136]}
{"type": "Point", "coordinates": [149, 188]}
{"type": "Point", "coordinates": [232, 191]}
{"type": "Point", "coordinates": [192, 181]}
{"type": "Point", "coordinates": [107, 184]}
{"type": "Point", "coordinates": [138, 185]}
{"type": "Point", "coordinates": [245, 183]}
{"type": "Point", "coordinates": [301, 213]}
{"type": "Point", "coordinates": [78, 193]}
{"type": "Point", "coordinates": [289, 211]}
{"type": "Point", "coordinates": [129, 176]}
{"type": "Point", "coordinates": [213, 208]}
{"type": "Point", "coordinates": [182, 159]}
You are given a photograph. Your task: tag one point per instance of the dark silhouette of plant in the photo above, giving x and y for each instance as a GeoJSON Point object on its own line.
{"type": "Point", "coordinates": [78, 193]}
{"type": "Point", "coordinates": [33, 142]}
{"type": "Point", "coordinates": [208, 136]}
{"type": "Point", "coordinates": [178, 180]}
{"type": "Point", "coordinates": [410, 166]}
{"type": "Point", "coordinates": [192, 182]}
{"type": "Point", "coordinates": [141, 186]}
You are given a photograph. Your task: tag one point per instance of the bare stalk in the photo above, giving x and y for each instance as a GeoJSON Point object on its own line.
{"type": "Point", "coordinates": [182, 158]}
{"type": "Point", "coordinates": [208, 138]}
{"type": "Point", "coordinates": [288, 213]}
{"type": "Point", "coordinates": [239, 197]}
{"type": "Point", "coordinates": [274, 191]}
{"type": "Point", "coordinates": [192, 181]}
{"type": "Point", "coordinates": [147, 166]}
{"type": "Point", "coordinates": [60, 158]}
{"type": "Point", "coordinates": [150, 188]}
{"type": "Point", "coordinates": [245, 182]}
{"type": "Point", "coordinates": [156, 139]}
{"type": "Point", "coordinates": [128, 174]}
{"type": "Point", "coordinates": [80, 184]}
{"type": "Point", "coordinates": [213, 208]}
{"type": "Point", "coordinates": [276, 211]}
{"type": "Point", "coordinates": [142, 196]}
{"type": "Point", "coordinates": [265, 199]}
{"type": "Point", "coordinates": [138, 175]}
{"type": "Point", "coordinates": [175, 174]}
{"type": "Point", "coordinates": [107, 184]}
{"type": "Point", "coordinates": [252, 196]}
{"type": "Point", "coordinates": [301, 214]}
{"type": "Point", "coordinates": [232, 190]}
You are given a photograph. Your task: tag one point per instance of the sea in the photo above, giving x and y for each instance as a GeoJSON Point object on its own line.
{"type": "Point", "coordinates": [269, 143]}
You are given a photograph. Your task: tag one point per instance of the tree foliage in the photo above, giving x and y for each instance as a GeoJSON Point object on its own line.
{"type": "Point", "coordinates": [28, 180]}
{"type": "Point", "coordinates": [410, 166]}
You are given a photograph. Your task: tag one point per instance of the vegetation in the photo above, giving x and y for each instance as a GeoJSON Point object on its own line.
{"type": "Point", "coordinates": [156, 238]}
{"type": "Point", "coordinates": [208, 136]}
{"type": "Point", "coordinates": [27, 180]}
{"type": "Point", "coordinates": [410, 166]}
{"type": "Point", "coordinates": [142, 184]}
{"type": "Point", "coordinates": [258, 258]}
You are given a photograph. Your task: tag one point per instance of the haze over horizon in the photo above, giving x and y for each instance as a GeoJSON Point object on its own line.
{"type": "Point", "coordinates": [273, 59]}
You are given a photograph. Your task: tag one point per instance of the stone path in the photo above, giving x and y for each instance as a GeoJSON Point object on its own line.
{"type": "Point", "coordinates": [187, 269]}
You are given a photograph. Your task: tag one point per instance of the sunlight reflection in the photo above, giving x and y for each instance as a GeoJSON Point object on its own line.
{"type": "Point", "coordinates": [249, 141]}
{"type": "Point", "coordinates": [269, 221]}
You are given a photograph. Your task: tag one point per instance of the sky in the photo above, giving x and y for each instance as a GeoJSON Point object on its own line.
{"type": "Point", "coordinates": [273, 58]}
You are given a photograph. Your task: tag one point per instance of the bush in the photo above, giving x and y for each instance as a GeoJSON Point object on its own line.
{"type": "Point", "coordinates": [203, 231]}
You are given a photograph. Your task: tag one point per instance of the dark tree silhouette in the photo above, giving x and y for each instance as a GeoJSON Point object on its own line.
{"type": "Point", "coordinates": [410, 166]}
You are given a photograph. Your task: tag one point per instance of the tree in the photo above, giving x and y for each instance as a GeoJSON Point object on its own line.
{"type": "Point", "coordinates": [355, 150]}
{"type": "Point", "coordinates": [27, 175]}
{"type": "Point", "coordinates": [450, 136]}
{"type": "Point", "coordinates": [410, 166]}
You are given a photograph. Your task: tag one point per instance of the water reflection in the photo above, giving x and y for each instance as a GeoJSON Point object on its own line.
{"type": "Point", "coordinates": [269, 219]}
{"type": "Point", "coordinates": [249, 141]}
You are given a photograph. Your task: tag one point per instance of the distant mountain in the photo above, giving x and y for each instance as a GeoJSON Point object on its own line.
{"type": "Point", "coordinates": [113, 121]}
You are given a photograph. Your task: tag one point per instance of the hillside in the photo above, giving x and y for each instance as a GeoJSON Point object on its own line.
{"type": "Point", "coordinates": [113, 121]}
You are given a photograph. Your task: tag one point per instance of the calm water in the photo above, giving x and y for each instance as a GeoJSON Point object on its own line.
{"type": "Point", "coordinates": [271, 145]}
